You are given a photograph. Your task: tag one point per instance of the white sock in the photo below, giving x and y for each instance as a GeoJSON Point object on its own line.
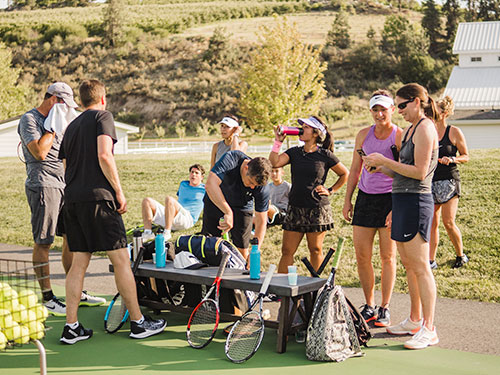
{"type": "Point", "coordinates": [148, 231]}
{"type": "Point", "coordinates": [167, 234]}
{"type": "Point", "coordinates": [73, 325]}
{"type": "Point", "coordinates": [140, 321]}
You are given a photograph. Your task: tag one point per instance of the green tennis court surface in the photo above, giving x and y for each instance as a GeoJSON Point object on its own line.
{"type": "Point", "coordinates": [169, 353]}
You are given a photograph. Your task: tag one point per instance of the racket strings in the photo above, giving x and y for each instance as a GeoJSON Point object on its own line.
{"type": "Point", "coordinates": [116, 314]}
{"type": "Point", "coordinates": [245, 337]}
{"type": "Point", "coordinates": [203, 324]}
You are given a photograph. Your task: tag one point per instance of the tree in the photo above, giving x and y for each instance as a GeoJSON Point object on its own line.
{"type": "Point", "coordinates": [451, 10]}
{"type": "Point", "coordinates": [114, 19]}
{"type": "Point", "coordinates": [12, 96]}
{"type": "Point", "coordinates": [338, 35]}
{"type": "Point", "coordinates": [431, 23]}
{"type": "Point", "coordinates": [282, 81]}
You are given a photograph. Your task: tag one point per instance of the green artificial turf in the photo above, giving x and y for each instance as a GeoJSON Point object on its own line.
{"type": "Point", "coordinates": [169, 353]}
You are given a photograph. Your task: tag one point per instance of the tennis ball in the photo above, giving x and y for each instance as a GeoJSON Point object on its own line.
{"type": "Point", "coordinates": [28, 298]}
{"type": "Point", "coordinates": [20, 314]}
{"type": "Point", "coordinates": [41, 312]}
{"type": "Point", "coordinates": [3, 341]}
{"type": "Point", "coordinates": [6, 320]}
{"type": "Point", "coordinates": [37, 330]}
{"type": "Point", "coordinates": [24, 336]}
{"type": "Point", "coordinates": [5, 291]}
{"type": "Point", "coordinates": [12, 332]}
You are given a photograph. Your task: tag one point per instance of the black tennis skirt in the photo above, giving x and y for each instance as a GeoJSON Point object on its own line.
{"type": "Point", "coordinates": [371, 210]}
{"type": "Point", "coordinates": [305, 219]}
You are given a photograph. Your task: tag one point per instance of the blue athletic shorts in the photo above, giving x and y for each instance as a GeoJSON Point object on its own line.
{"type": "Point", "coordinates": [411, 214]}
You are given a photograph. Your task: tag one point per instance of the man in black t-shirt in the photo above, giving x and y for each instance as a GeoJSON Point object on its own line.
{"type": "Point", "coordinates": [93, 204]}
{"type": "Point", "coordinates": [234, 185]}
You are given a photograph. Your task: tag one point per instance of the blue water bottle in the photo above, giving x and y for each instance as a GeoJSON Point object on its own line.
{"type": "Point", "coordinates": [254, 259]}
{"type": "Point", "coordinates": [160, 249]}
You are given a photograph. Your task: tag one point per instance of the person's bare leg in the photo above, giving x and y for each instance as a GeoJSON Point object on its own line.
{"type": "Point", "coordinates": [434, 242]}
{"type": "Point", "coordinates": [40, 259]}
{"type": "Point", "coordinates": [363, 246]}
{"type": "Point", "coordinates": [148, 212]}
{"type": "Point", "coordinates": [66, 256]}
{"type": "Point", "coordinates": [449, 213]}
{"type": "Point", "coordinates": [315, 245]}
{"type": "Point", "coordinates": [290, 243]}
{"type": "Point", "coordinates": [388, 259]}
{"type": "Point", "coordinates": [415, 303]}
{"type": "Point", "coordinates": [172, 208]}
{"type": "Point", "coordinates": [74, 284]}
{"type": "Point", "coordinates": [125, 281]}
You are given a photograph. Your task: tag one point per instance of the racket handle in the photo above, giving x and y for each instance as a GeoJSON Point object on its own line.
{"type": "Point", "coordinates": [267, 279]}
{"type": "Point", "coordinates": [138, 260]}
{"type": "Point", "coordinates": [338, 252]}
{"type": "Point", "coordinates": [309, 267]}
{"type": "Point", "coordinates": [225, 236]}
{"type": "Point", "coordinates": [223, 261]}
{"type": "Point", "coordinates": [325, 261]}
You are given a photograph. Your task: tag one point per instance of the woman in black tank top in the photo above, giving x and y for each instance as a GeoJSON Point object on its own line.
{"type": "Point", "coordinates": [446, 183]}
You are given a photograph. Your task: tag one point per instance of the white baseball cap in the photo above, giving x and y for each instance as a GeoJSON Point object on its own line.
{"type": "Point", "coordinates": [381, 100]}
{"type": "Point", "coordinates": [230, 122]}
{"type": "Point", "coordinates": [63, 91]}
{"type": "Point", "coordinates": [187, 260]}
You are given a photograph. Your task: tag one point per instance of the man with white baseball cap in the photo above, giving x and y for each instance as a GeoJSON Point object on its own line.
{"type": "Point", "coordinates": [44, 188]}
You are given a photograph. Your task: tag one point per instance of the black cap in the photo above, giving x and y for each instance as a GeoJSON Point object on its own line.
{"type": "Point", "coordinates": [254, 241]}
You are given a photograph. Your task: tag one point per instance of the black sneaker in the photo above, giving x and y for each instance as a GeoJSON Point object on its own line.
{"type": "Point", "coordinates": [383, 317]}
{"type": "Point", "coordinates": [148, 327]}
{"type": "Point", "coordinates": [72, 336]}
{"type": "Point", "coordinates": [368, 313]}
{"type": "Point", "coordinates": [460, 261]}
{"type": "Point", "coordinates": [433, 264]}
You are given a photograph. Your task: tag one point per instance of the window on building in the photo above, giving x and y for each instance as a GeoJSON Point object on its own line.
{"type": "Point", "coordinates": [476, 59]}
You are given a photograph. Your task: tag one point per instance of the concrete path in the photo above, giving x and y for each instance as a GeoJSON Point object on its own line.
{"type": "Point", "coordinates": [462, 325]}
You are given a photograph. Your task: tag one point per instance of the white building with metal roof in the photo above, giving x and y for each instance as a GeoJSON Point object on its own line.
{"type": "Point", "coordinates": [474, 84]}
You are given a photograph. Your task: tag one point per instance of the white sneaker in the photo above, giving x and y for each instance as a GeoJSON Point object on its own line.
{"type": "Point", "coordinates": [56, 307]}
{"type": "Point", "coordinates": [148, 237]}
{"type": "Point", "coordinates": [167, 236]}
{"type": "Point", "coordinates": [422, 339]}
{"type": "Point", "coordinates": [90, 300]}
{"type": "Point", "coordinates": [406, 327]}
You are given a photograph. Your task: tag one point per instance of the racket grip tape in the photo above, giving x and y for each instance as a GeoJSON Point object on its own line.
{"type": "Point", "coordinates": [338, 252]}
{"type": "Point", "coordinates": [325, 261]}
{"type": "Point", "coordinates": [223, 261]}
{"type": "Point", "coordinates": [267, 279]}
{"type": "Point", "coordinates": [309, 266]}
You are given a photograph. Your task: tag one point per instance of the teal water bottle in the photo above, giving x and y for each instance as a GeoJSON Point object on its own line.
{"type": "Point", "coordinates": [160, 249]}
{"type": "Point", "coordinates": [254, 259]}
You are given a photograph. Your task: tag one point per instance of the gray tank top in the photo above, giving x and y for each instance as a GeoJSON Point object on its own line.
{"type": "Point", "coordinates": [222, 148]}
{"type": "Point", "coordinates": [403, 184]}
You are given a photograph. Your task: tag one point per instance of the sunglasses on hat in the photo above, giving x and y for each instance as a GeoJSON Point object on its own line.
{"type": "Point", "coordinates": [404, 104]}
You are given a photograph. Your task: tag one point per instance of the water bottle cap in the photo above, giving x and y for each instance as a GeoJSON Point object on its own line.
{"type": "Point", "coordinates": [254, 241]}
{"type": "Point", "coordinates": [137, 233]}
{"type": "Point", "coordinates": [159, 231]}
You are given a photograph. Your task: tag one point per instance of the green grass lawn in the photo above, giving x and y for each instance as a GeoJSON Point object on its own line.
{"type": "Point", "coordinates": [156, 175]}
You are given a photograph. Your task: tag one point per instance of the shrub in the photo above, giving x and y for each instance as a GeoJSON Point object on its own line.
{"type": "Point", "coordinates": [50, 32]}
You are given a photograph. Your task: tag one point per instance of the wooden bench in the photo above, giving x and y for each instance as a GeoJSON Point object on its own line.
{"type": "Point", "coordinates": [291, 296]}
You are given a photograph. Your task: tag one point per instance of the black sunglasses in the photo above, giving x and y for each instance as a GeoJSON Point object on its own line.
{"type": "Point", "coordinates": [404, 104]}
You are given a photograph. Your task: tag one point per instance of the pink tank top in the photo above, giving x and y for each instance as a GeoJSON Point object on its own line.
{"type": "Point", "coordinates": [377, 183]}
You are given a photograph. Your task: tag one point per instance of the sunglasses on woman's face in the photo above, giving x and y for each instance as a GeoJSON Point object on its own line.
{"type": "Point", "coordinates": [404, 104]}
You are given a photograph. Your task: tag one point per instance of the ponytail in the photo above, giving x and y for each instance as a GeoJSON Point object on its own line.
{"type": "Point", "coordinates": [431, 110]}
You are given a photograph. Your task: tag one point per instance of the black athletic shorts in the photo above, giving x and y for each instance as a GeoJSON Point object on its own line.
{"type": "Point", "coordinates": [371, 210]}
{"type": "Point", "coordinates": [241, 232]}
{"type": "Point", "coordinates": [411, 214]}
{"type": "Point", "coordinates": [94, 226]}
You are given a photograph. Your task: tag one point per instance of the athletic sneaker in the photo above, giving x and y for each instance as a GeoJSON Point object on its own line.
{"type": "Point", "coordinates": [368, 313]}
{"type": "Point", "coordinates": [55, 307]}
{"type": "Point", "coordinates": [406, 327]}
{"type": "Point", "coordinates": [422, 339]}
{"type": "Point", "coordinates": [90, 300]}
{"type": "Point", "coordinates": [148, 237]}
{"type": "Point", "coordinates": [383, 317]}
{"type": "Point", "coordinates": [148, 327]}
{"type": "Point", "coordinates": [72, 336]}
{"type": "Point", "coordinates": [460, 261]}
{"type": "Point", "coordinates": [433, 264]}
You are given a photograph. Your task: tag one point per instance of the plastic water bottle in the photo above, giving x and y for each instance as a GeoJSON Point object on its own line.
{"type": "Point", "coordinates": [254, 259]}
{"type": "Point", "coordinates": [160, 249]}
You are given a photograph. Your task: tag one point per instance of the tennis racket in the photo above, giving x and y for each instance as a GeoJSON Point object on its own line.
{"type": "Point", "coordinates": [247, 333]}
{"type": "Point", "coordinates": [204, 319]}
{"type": "Point", "coordinates": [117, 313]}
{"type": "Point", "coordinates": [311, 269]}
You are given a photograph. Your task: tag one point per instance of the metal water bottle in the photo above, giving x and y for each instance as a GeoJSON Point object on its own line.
{"type": "Point", "coordinates": [254, 259]}
{"type": "Point", "coordinates": [290, 130]}
{"type": "Point", "coordinates": [160, 249]}
{"type": "Point", "coordinates": [136, 244]}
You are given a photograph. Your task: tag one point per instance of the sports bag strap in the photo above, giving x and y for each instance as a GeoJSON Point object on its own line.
{"type": "Point", "coordinates": [203, 239]}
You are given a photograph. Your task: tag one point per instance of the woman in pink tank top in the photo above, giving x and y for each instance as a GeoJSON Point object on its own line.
{"type": "Point", "coordinates": [372, 211]}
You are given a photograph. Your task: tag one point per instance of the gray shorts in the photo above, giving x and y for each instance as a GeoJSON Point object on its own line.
{"type": "Point", "coordinates": [45, 204]}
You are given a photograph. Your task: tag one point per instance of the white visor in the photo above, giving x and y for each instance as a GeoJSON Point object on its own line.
{"type": "Point", "coordinates": [231, 122]}
{"type": "Point", "coordinates": [382, 100]}
{"type": "Point", "coordinates": [313, 123]}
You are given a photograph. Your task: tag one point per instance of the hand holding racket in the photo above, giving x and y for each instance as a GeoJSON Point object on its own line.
{"type": "Point", "coordinates": [247, 333]}
{"type": "Point", "coordinates": [117, 313]}
{"type": "Point", "coordinates": [204, 319]}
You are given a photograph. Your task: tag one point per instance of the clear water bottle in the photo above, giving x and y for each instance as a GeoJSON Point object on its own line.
{"type": "Point", "coordinates": [254, 259]}
{"type": "Point", "coordinates": [160, 249]}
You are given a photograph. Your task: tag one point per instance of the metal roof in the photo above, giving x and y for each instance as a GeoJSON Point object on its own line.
{"type": "Point", "coordinates": [474, 88]}
{"type": "Point", "coordinates": [477, 36]}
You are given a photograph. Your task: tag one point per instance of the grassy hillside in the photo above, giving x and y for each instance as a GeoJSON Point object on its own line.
{"type": "Point", "coordinates": [157, 175]}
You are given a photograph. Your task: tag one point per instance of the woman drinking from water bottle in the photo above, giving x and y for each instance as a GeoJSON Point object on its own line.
{"type": "Point", "coordinates": [309, 210]}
